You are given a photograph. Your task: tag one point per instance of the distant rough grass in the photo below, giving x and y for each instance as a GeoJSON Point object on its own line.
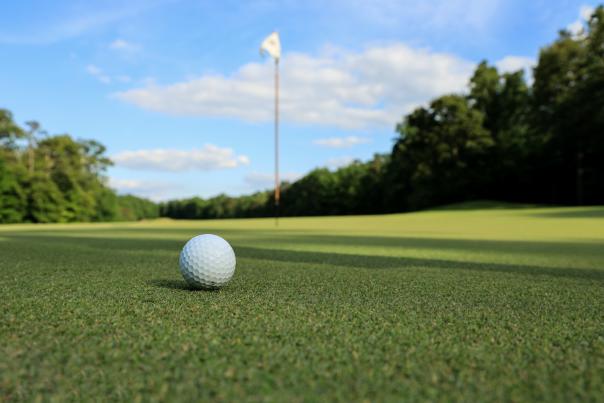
{"type": "Point", "coordinates": [485, 205]}
{"type": "Point", "coordinates": [476, 305]}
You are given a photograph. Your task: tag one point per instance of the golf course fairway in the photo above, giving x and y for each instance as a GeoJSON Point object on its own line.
{"type": "Point", "coordinates": [476, 305]}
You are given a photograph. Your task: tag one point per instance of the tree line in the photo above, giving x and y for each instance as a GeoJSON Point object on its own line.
{"type": "Point", "coordinates": [507, 138]}
{"type": "Point", "coordinates": [58, 179]}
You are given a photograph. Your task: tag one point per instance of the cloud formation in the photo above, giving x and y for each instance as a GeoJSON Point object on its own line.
{"type": "Point", "coordinates": [105, 78]}
{"type": "Point", "coordinates": [511, 64]}
{"type": "Point", "coordinates": [577, 27]}
{"type": "Point", "coordinates": [98, 73]}
{"type": "Point", "coordinates": [207, 158]}
{"type": "Point", "coordinates": [123, 46]}
{"type": "Point", "coordinates": [341, 142]}
{"type": "Point", "coordinates": [350, 90]}
{"type": "Point", "coordinates": [339, 162]}
{"type": "Point", "coordinates": [154, 190]}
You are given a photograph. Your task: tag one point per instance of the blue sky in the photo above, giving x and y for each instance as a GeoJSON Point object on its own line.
{"type": "Point", "coordinates": [179, 94]}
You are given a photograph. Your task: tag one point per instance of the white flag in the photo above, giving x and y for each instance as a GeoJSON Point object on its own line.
{"type": "Point", "coordinates": [272, 46]}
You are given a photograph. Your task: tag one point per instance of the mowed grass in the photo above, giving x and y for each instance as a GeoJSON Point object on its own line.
{"type": "Point", "coordinates": [474, 305]}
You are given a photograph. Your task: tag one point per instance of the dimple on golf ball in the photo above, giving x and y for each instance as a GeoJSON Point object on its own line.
{"type": "Point", "coordinates": [207, 261]}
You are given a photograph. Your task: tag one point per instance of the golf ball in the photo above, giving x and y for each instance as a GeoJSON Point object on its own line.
{"type": "Point", "coordinates": [207, 261]}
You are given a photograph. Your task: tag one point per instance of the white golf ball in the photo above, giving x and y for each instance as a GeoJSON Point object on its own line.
{"type": "Point", "coordinates": [207, 261]}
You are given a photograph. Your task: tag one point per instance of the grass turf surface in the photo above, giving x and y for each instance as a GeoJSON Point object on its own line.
{"type": "Point", "coordinates": [483, 305]}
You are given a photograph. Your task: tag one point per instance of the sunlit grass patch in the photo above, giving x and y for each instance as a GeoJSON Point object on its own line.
{"type": "Point", "coordinates": [468, 305]}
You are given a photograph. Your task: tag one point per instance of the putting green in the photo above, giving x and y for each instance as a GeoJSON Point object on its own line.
{"type": "Point", "coordinates": [477, 305]}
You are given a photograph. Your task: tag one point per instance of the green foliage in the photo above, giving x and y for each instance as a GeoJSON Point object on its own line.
{"type": "Point", "coordinates": [464, 306]}
{"type": "Point", "coordinates": [356, 188]}
{"type": "Point", "coordinates": [107, 206]}
{"type": "Point", "coordinates": [45, 202]}
{"type": "Point", "coordinates": [132, 208]}
{"type": "Point", "coordinates": [485, 86]}
{"type": "Point", "coordinates": [12, 195]}
{"type": "Point", "coordinates": [58, 179]}
{"type": "Point", "coordinates": [441, 152]}
{"type": "Point", "coordinates": [568, 109]}
{"type": "Point", "coordinates": [221, 206]}
{"type": "Point", "coordinates": [504, 100]}
{"type": "Point", "coordinates": [503, 140]}
{"type": "Point", "coordinates": [314, 194]}
{"type": "Point", "coordinates": [9, 130]}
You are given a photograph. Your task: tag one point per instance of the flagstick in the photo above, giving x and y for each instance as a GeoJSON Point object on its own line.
{"type": "Point", "coordinates": [277, 182]}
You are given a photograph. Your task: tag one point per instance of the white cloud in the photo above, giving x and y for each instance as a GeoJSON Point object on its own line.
{"type": "Point", "coordinates": [259, 180]}
{"type": "Point", "coordinates": [119, 44]}
{"type": "Point", "coordinates": [123, 45]}
{"type": "Point", "coordinates": [93, 70]}
{"type": "Point", "coordinates": [338, 162]}
{"type": "Point", "coordinates": [153, 190]}
{"type": "Point", "coordinates": [98, 73]}
{"type": "Point", "coordinates": [577, 27]}
{"type": "Point", "coordinates": [511, 64]}
{"type": "Point", "coordinates": [350, 90]}
{"type": "Point", "coordinates": [105, 78]}
{"type": "Point", "coordinates": [341, 142]}
{"type": "Point", "coordinates": [586, 12]}
{"type": "Point", "coordinates": [207, 158]}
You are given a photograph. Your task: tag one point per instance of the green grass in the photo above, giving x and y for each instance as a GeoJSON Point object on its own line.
{"type": "Point", "coordinates": [475, 305]}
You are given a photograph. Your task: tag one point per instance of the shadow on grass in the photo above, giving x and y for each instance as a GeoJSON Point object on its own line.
{"type": "Point", "coordinates": [482, 205]}
{"type": "Point", "coordinates": [585, 212]}
{"type": "Point", "coordinates": [70, 248]}
{"type": "Point", "coordinates": [147, 241]}
{"type": "Point", "coordinates": [171, 284]}
{"type": "Point", "coordinates": [465, 245]}
{"type": "Point", "coordinates": [593, 249]}
{"type": "Point", "coordinates": [176, 285]}
{"type": "Point", "coordinates": [386, 262]}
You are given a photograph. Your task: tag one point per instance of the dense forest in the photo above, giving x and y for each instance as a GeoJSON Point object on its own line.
{"type": "Point", "coordinates": [509, 138]}
{"type": "Point", "coordinates": [58, 179]}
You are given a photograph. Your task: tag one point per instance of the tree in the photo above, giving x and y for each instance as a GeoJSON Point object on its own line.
{"type": "Point", "coordinates": [504, 139]}
{"type": "Point", "coordinates": [9, 130]}
{"type": "Point", "coordinates": [504, 101]}
{"type": "Point", "coordinates": [107, 208]}
{"type": "Point", "coordinates": [132, 208]}
{"type": "Point", "coordinates": [440, 153]}
{"type": "Point", "coordinates": [589, 120]}
{"type": "Point", "coordinates": [485, 87]}
{"type": "Point", "coordinates": [34, 129]}
{"type": "Point", "coordinates": [45, 203]}
{"type": "Point", "coordinates": [314, 194]}
{"type": "Point", "coordinates": [58, 179]}
{"type": "Point", "coordinates": [374, 187]}
{"type": "Point", "coordinates": [76, 168]}
{"type": "Point", "coordinates": [12, 196]}
{"type": "Point", "coordinates": [568, 103]}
